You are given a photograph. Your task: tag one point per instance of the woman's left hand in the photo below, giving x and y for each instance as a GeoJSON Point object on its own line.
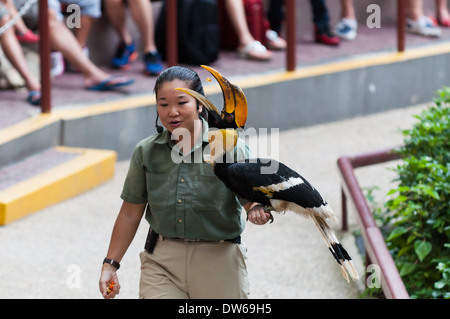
{"type": "Point", "coordinates": [258, 216]}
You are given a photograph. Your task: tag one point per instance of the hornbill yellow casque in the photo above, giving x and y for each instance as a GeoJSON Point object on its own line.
{"type": "Point", "coordinates": [274, 186]}
{"type": "Point", "coordinates": [234, 111]}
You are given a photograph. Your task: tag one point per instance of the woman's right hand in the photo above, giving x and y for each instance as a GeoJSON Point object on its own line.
{"type": "Point", "coordinates": [108, 278]}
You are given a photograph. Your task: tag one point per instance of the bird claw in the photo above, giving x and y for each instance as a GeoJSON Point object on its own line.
{"type": "Point", "coordinates": [268, 211]}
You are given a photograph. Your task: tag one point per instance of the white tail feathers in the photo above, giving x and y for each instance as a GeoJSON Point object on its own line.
{"type": "Point", "coordinates": [336, 249]}
{"type": "Point", "coordinates": [319, 216]}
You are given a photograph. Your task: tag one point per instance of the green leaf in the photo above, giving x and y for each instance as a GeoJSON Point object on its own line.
{"type": "Point", "coordinates": [422, 248]}
{"type": "Point", "coordinates": [439, 284]}
{"type": "Point", "coordinates": [398, 231]}
{"type": "Point", "coordinates": [407, 268]}
{"type": "Point", "coordinates": [432, 193]}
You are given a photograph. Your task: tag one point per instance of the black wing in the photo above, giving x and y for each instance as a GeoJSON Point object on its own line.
{"type": "Point", "coordinates": [260, 180]}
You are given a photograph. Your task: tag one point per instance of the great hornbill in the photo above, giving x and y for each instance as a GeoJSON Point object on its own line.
{"type": "Point", "coordinates": [281, 189]}
{"type": "Point", "coordinates": [234, 111]}
{"type": "Point", "coordinates": [278, 188]}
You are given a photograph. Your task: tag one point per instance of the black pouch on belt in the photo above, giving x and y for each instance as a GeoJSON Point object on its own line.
{"type": "Point", "coordinates": [150, 243]}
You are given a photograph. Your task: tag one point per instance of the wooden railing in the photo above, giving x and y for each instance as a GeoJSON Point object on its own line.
{"type": "Point", "coordinates": [375, 246]}
{"type": "Point", "coordinates": [172, 49]}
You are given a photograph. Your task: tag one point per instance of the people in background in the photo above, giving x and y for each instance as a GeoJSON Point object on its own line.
{"type": "Point", "coordinates": [347, 26]}
{"type": "Point", "coordinates": [323, 33]}
{"type": "Point", "coordinates": [63, 40]}
{"type": "Point", "coordinates": [13, 52]}
{"type": "Point", "coordinates": [417, 22]}
{"type": "Point", "coordinates": [126, 52]}
{"type": "Point", "coordinates": [247, 46]}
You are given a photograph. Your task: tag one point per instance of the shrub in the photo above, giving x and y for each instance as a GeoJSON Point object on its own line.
{"type": "Point", "coordinates": [418, 210]}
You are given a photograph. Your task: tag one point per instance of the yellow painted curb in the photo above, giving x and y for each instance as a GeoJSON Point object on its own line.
{"type": "Point", "coordinates": [91, 168]}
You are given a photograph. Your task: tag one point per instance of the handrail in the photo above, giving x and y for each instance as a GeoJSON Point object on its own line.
{"type": "Point", "coordinates": [376, 249]}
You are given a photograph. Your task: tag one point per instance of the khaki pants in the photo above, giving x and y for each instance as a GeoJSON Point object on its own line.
{"type": "Point", "coordinates": [198, 270]}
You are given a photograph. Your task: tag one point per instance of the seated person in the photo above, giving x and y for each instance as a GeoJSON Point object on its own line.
{"type": "Point", "coordinates": [63, 40]}
{"type": "Point", "coordinates": [13, 52]}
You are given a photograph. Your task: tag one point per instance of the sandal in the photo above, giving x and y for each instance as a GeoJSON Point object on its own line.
{"type": "Point", "coordinates": [274, 41]}
{"type": "Point", "coordinates": [110, 83]}
{"type": "Point", "coordinates": [34, 98]}
{"type": "Point", "coordinates": [255, 51]}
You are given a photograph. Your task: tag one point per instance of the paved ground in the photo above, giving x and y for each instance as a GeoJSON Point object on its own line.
{"type": "Point", "coordinates": [57, 252]}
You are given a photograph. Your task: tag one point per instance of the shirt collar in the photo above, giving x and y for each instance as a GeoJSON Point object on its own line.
{"type": "Point", "coordinates": [165, 136]}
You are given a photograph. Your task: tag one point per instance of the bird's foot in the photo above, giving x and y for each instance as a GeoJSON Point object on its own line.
{"type": "Point", "coordinates": [268, 210]}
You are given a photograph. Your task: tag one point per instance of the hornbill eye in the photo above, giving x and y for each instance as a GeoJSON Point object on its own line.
{"type": "Point", "coordinates": [234, 111]}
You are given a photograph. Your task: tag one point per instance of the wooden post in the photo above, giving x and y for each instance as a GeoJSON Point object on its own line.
{"type": "Point", "coordinates": [44, 51]}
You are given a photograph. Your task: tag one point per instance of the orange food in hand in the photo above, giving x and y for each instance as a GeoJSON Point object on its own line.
{"type": "Point", "coordinates": [110, 287]}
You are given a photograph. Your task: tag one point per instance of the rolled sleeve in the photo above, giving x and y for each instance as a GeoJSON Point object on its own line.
{"type": "Point", "coordinates": [134, 190]}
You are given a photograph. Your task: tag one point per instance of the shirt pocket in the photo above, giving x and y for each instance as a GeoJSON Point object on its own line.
{"type": "Point", "coordinates": [158, 186]}
{"type": "Point", "coordinates": [209, 193]}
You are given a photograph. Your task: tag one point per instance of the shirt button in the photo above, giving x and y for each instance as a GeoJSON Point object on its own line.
{"type": "Point", "coordinates": [180, 200]}
{"type": "Point", "coordinates": [180, 220]}
{"type": "Point", "coordinates": [182, 180]}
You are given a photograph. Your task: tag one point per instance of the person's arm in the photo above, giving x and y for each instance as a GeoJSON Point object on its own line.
{"type": "Point", "coordinates": [256, 213]}
{"type": "Point", "coordinates": [124, 230]}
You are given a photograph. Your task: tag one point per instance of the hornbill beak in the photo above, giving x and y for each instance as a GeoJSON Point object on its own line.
{"type": "Point", "coordinates": [235, 110]}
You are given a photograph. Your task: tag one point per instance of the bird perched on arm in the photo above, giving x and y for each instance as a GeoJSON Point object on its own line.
{"type": "Point", "coordinates": [265, 181]}
{"type": "Point", "coordinates": [278, 188]}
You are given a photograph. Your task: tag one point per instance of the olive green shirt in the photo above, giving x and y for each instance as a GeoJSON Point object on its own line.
{"type": "Point", "coordinates": [185, 199]}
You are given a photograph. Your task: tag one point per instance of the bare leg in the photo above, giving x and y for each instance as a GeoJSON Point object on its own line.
{"type": "Point", "coordinates": [348, 11]}
{"type": "Point", "coordinates": [115, 11]}
{"type": "Point", "coordinates": [415, 9]}
{"type": "Point", "coordinates": [64, 41]}
{"type": "Point", "coordinates": [236, 13]}
{"type": "Point", "coordinates": [13, 52]}
{"type": "Point", "coordinates": [235, 9]}
{"type": "Point", "coordinates": [19, 26]}
{"type": "Point", "coordinates": [82, 33]}
{"type": "Point", "coordinates": [141, 11]}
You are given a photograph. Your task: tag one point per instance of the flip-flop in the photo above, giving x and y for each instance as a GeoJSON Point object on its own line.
{"type": "Point", "coordinates": [34, 98]}
{"type": "Point", "coordinates": [106, 84]}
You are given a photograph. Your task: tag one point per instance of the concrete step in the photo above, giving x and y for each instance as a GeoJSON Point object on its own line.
{"type": "Point", "coordinates": [49, 177]}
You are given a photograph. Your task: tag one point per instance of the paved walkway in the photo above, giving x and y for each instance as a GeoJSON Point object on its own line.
{"type": "Point", "coordinates": [57, 252]}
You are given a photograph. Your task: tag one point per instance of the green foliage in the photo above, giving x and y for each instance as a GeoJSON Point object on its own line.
{"type": "Point", "coordinates": [418, 210]}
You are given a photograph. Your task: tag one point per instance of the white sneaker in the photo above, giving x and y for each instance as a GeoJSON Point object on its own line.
{"type": "Point", "coordinates": [423, 26]}
{"type": "Point", "coordinates": [346, 29]}
{"type": "Point", "coordinates": [57, 63]}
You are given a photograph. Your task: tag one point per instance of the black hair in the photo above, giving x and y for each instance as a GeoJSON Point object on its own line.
{"type": "Point", "coordinates": [184, 74]}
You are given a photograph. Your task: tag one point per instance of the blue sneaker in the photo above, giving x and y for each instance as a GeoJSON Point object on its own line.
{"type": "Point", "coordinates": [153, 63]}
{"type": "Point", "coordinates": [125, 54]}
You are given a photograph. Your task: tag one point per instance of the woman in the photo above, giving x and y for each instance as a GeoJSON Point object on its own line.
{"type": "Point", "coordinates": [197, 220]}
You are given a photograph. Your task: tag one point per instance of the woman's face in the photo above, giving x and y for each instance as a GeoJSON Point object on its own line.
{"type": "Point", "coordinates": [175, 108]}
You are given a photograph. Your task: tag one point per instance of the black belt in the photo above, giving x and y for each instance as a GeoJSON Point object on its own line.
{"type": "Point", "coordinates": [152, 238]}
{"type": "Point", "coordinates": [236, 240]}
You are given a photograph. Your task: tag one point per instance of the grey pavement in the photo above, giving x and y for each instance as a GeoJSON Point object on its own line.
{"type": "Point", "coordinates": [57, 252]}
